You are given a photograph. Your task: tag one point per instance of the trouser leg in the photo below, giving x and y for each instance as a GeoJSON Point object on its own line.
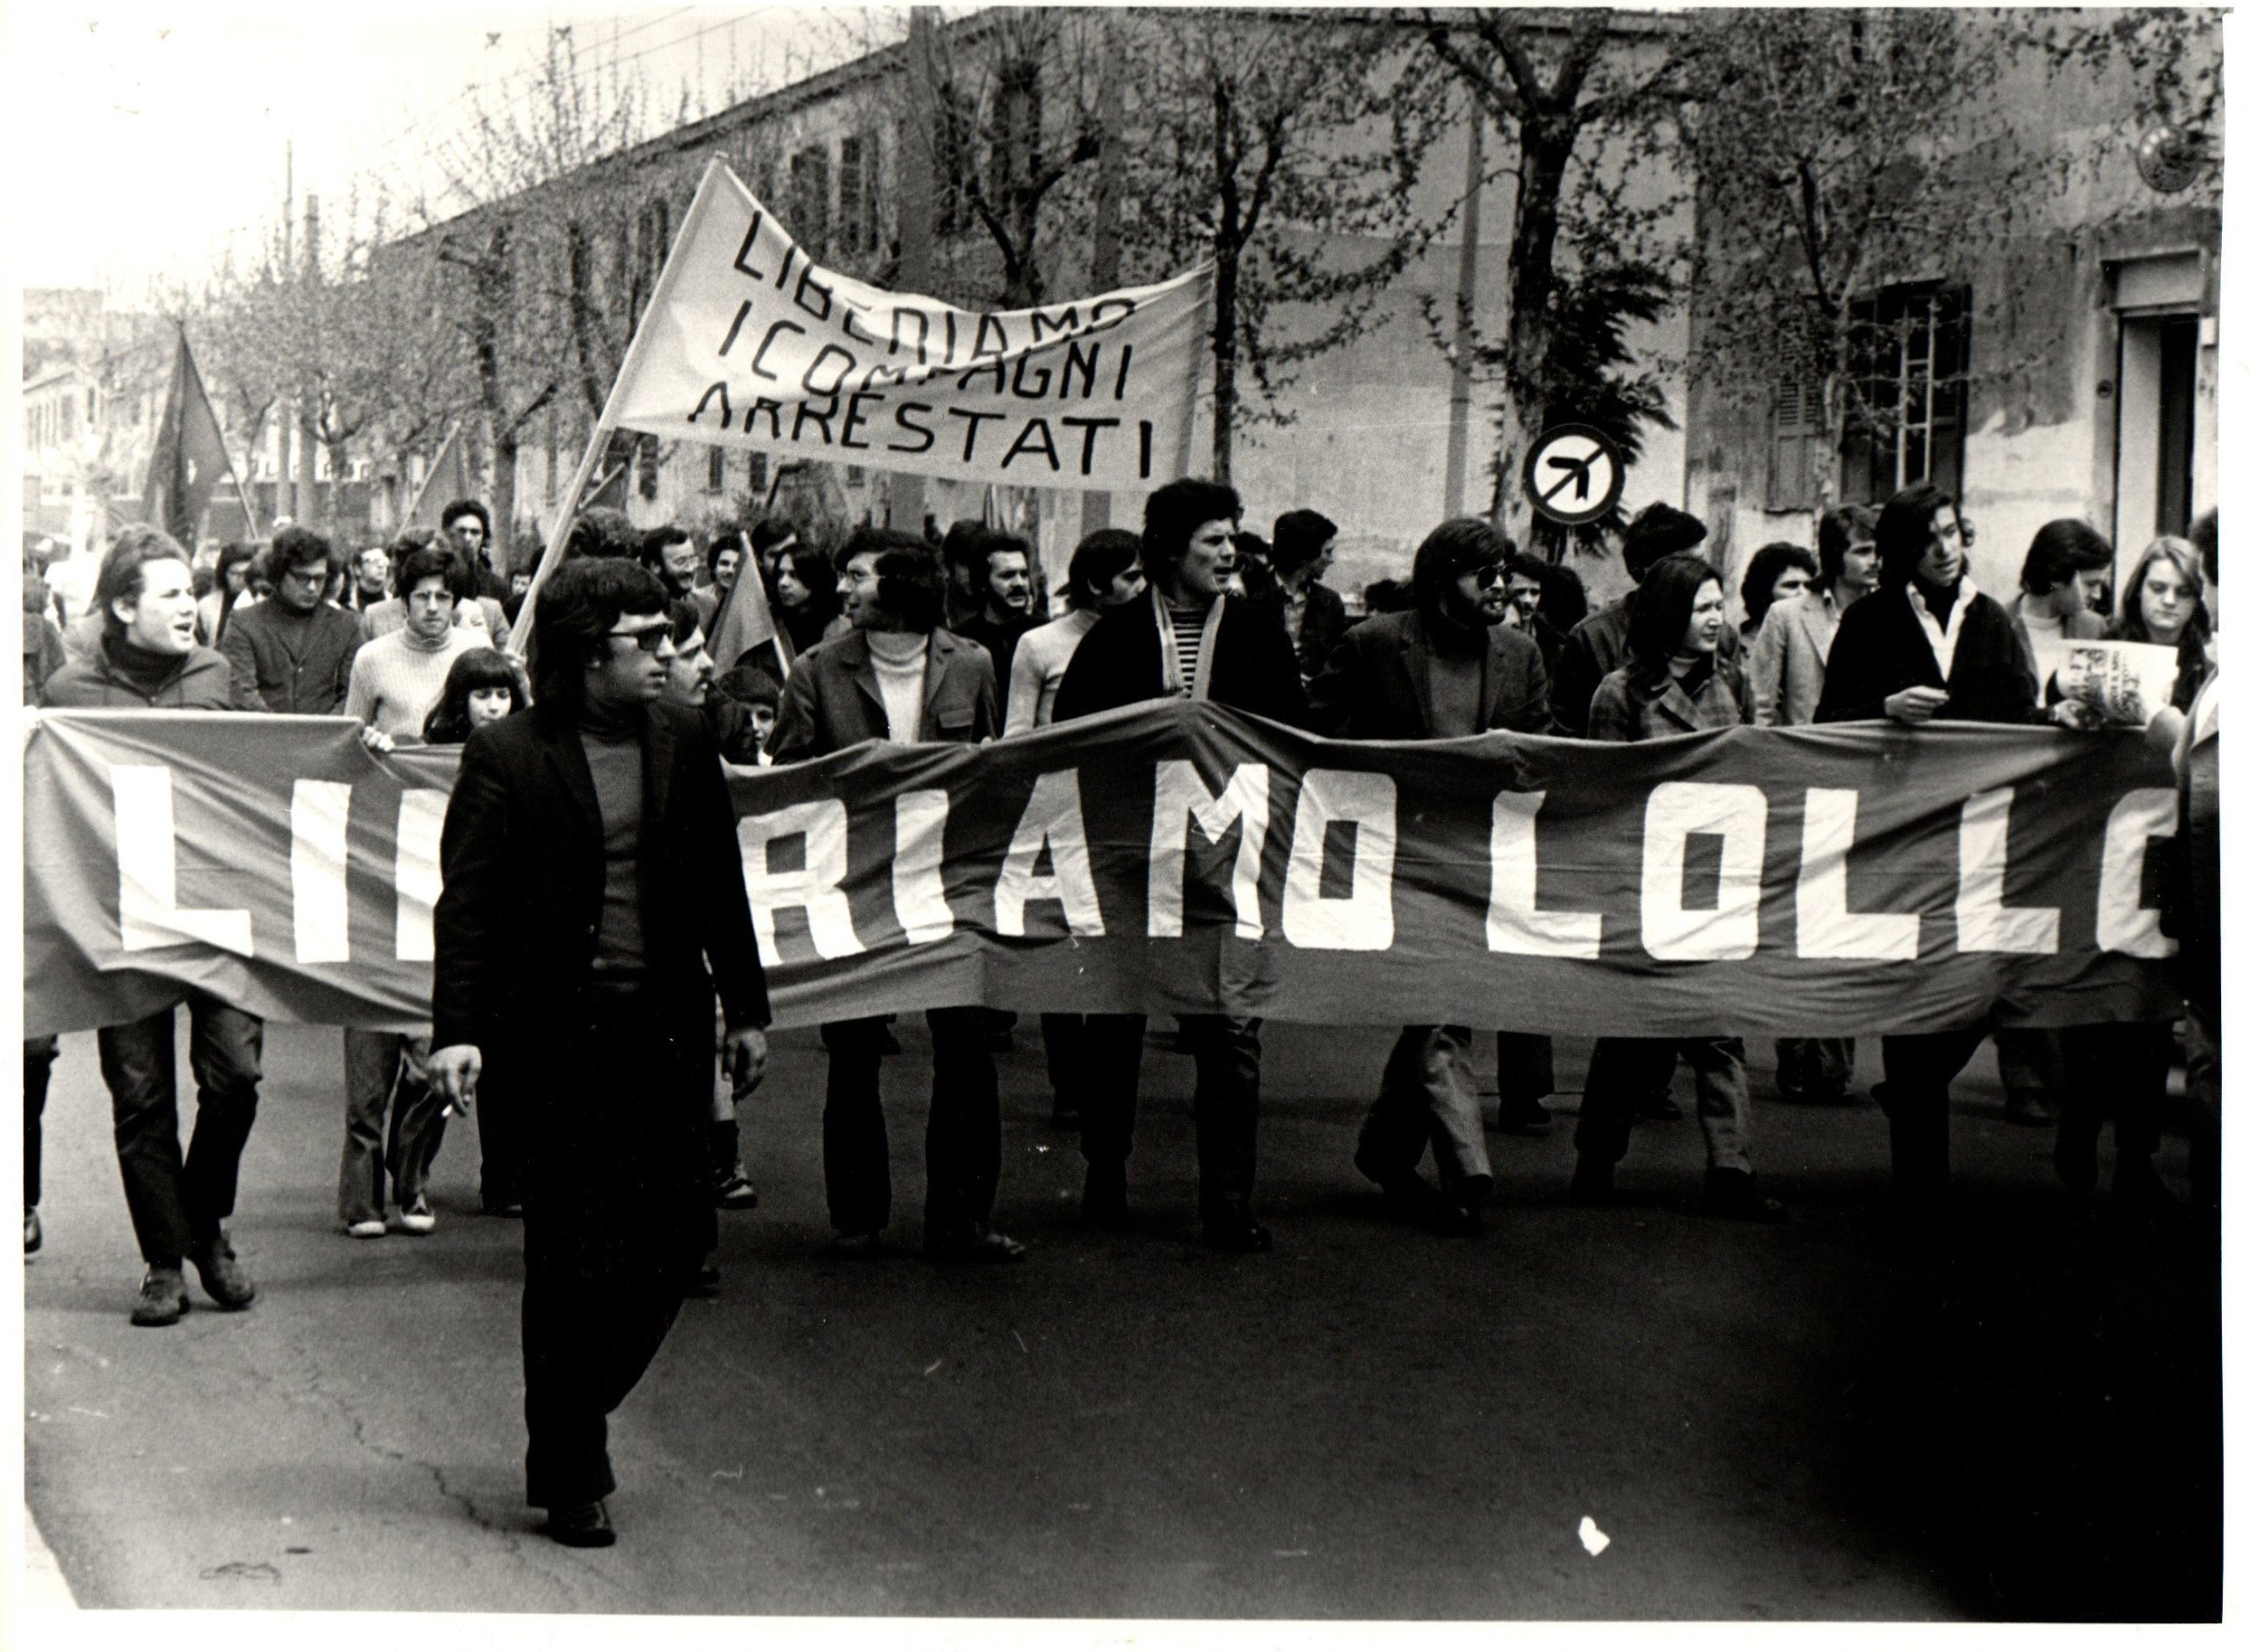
{"type": "Point", "coordinates": [1527, 1067]}
{"type": "Point", "coordinates": [962, 1149]}
{"type": "Point", "coordinates": [1916, 1094]}
{"type": "Point", "coordinates": [1397, 1129]}
{"type": "Point", "coordinates": [499, 1142]}
{"type": "Point", "coordinates": [1721, 1100]}
{"type": "Point", "coordinates": [2203, 1102]}
{"type": "Point", "coordinates": [613, 1223]}
{"type": "Point", "coordinates": [1227, 1053]}
{"type": "Point", "coordinates": [2031, 1069]}
{"type": "Point", "coordinates": [38, 1069]}
{"type": "Point", "coordinates": [226, 1052]}
{"type": "Point", "coordinates": [138, 1066]}
{"type": "Point", "coordinates": [371, 1064]}
{"type": "Point", "coordinates": [1620, 1076]}
{"type": "Point", "coordinates": [1110, 1046]}
{"type": "Point", "coordinates": [418, 1123]}
{"type": "Point", "coordinates": [1063, 1035]}
{"type": "Point", "coordinates": [855, 1144]}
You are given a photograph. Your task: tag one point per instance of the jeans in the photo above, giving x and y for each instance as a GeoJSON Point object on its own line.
{"type": "Point", "coordinates": [177, 1203]}
{"type": "Point", "coordinates": [386, 1074]}
{"type": "Point", "coordinates": [1227, 1052]}
{"type": "Point", "coordinates": [1428, 1099]}
{"type": "Point", "coordinates": [960, 1148]}
{"type": "Point", "coordinates": [1624, 1070]}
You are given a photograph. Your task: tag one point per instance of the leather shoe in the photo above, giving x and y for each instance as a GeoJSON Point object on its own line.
{"type": "Point", "coordinates": [163, 1298]}
{"type": "Point", "coordinates": [34, 1236]}
{"type": "Point", "coordinates": [855, 1245]}
{"type": "Point", "coordinates": [1104, 1204]}
{"type": "Point", "coordinates": [584, 1526]}
{"type": "Point", "coordinates": [1524, 1118]}
{"type": "Point", "coordinates": [1241, 1234]}
{"type": "Point", "coordinates": [1734, 1194]}
{"type": "Point", "coordinates": [224, 1282]}
{"type": "Point", "coordinates": [978, 1243]}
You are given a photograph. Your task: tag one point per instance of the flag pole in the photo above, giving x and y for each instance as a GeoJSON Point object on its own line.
{"type": "Point", "coordinates": [430, 476]}
{"type": "Point", "coordinates": [551, 558]}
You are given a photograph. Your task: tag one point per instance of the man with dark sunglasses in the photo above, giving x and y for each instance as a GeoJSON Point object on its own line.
{"type": "Point", "coordinates": [591, 871]}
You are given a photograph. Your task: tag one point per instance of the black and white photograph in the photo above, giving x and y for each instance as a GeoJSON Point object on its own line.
{"type": "Point", "coordinates": [1044, 825]}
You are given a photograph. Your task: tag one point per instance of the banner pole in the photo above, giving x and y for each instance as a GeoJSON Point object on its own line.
{"type": "Point", "coordinates": [551, 558]}
{"type": "Point", "coordinates": [430, 476]}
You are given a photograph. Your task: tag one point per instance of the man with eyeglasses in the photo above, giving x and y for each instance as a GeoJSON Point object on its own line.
{"type": "Point", "coordinates": [399, 677]}
{"type": "Point", "coordinates": [1445, 669]}
{"type": "Point", "coordinates": [591, 871]}
{"type": "Point", "coordinates": [294, 653]}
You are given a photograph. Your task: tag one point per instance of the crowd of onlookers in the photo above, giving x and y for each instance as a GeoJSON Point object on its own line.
{"type": "Point", "coordinates": [957, 638]}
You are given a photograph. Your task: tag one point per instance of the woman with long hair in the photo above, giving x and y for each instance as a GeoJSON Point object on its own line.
{"type": "Point", "coordinates": [483, 686]}
{"type": "Point", "coordinates": [1674, 682]}
{"type": "Point", "coordinates": [805, 604]}
{"type": "Point", "coordinates": [2163, 604]}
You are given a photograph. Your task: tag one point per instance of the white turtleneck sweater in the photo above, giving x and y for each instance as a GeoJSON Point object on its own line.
{"type": "Point", "coordinates": [902, 662]}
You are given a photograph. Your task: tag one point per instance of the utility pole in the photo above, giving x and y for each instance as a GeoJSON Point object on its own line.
{"type": "Point", "coordinates": [285, 416]}
{"type": "Point", "coordinates": [1093, 508]}
{"type": "Point", "coordinates": [917, 188]}
{"type": "Point", "coordinates": [1464, 320]}
{"type": "Point", "coordinates": [308, 408]}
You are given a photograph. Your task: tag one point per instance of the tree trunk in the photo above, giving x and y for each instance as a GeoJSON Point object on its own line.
{"type": "Point", "coordinates": [506, 444]}
{"type": "Point", "coordinates": [1226, 282]}
{"type": "Point", "coordinates": [1546, 153]}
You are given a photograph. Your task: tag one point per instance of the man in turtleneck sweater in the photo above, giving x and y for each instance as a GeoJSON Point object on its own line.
{"type": "Point", "coordinates": [148, 657]}
{"type": "Point", "coordinates": [899, 675]}
{"type": "Point", "coordinates": [396, 678]}
{"type": "Point", "coordinates": [1444, 670]}
{"type": "Point", "coordinates": [293, 652]}
{"type": "Point", "coordinates": [593, 900]}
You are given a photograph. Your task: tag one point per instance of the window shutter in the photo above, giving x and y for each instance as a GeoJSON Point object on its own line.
{"type": "Point", "coordinates": [1791, 455]}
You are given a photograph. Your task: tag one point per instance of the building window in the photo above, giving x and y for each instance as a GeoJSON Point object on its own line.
{"type": "Point", "coordinates": [715, 479]}
{"type": "Point", "coordinates": [809, 200]}
{"type": "Point", "coordinates": [1907, 362]}
{"type": "Point", "coordinates": [759, 479]}
{"type": "Point", "coordinates": [646, 464]}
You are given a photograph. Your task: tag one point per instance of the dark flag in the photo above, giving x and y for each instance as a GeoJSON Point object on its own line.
{"type": "Point", "coordinates": [189, 458]}
{"type": "Point", "coordinates": [447, 481]}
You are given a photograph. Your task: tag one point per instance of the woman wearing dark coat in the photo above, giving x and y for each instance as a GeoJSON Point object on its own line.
{"type": "Point", "coordinates": [1674, 681]}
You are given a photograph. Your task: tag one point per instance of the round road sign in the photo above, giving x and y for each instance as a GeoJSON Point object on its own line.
{"type": "Point", "coordinates": [1573, 474]}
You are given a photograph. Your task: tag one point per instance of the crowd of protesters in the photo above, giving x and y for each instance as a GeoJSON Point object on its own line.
{"type": "Point", "coordinates": [917, 638]}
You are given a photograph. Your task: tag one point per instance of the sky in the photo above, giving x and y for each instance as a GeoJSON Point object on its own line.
{"type": "Point", "coordinates": [149, 136]}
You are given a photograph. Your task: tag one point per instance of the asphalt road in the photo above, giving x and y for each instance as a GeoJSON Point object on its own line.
{"type": "Point", "coordinates": [2013, 1412]}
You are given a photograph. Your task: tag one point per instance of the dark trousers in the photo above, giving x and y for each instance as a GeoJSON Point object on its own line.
{"type": "Point", "coordinates": [39, 1067]}
{"type": "Point", "coordinates": [1919, 1068]}
{"type": "Point", "coordinates": [1227, 1051]}
{"type": "Point", "coordinates": [1812, 1070]}
{"type": "Point", "coordinates": [617, 1213]}
{"type": "Point", "coordinates": [1064, 1037]}
{"type": "Point", "coordinates": [1527, 1069]}
{"type": "Point", "coordinates": [2113, 1073]}
{"type": "Point", "coordinates": [177, 1203]}
{"type": "Point", "coordinates": [499, 1142]}
{"type": "Point", "coordinates": [960, 1148]}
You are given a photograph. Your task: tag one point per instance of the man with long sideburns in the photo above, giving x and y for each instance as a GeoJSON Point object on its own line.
{"type": "Point", "coordinates": [590, 871]}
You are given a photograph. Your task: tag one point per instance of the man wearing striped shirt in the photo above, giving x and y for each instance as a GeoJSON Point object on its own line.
{"type": "Point", "coordinates": [1183, 639]}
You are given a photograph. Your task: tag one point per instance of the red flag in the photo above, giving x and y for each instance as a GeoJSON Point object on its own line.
{"type": "Point", "coordinates": [744, 621]}
{"type": "Point", "coordinates": [190, 457]}
{"type": "Point", "coordinates": [447, 481]}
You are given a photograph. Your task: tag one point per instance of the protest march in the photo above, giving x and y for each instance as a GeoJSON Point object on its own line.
{"type": "Point", "coordinates": [885, 673]}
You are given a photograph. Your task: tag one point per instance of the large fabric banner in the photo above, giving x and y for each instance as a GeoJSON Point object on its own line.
{"type": "Point", "coordinates": [749, 343]}
{"type": "Point", "coordinates": [1180, 856]}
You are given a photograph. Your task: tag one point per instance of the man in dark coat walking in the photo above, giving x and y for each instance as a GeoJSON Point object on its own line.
{"type": "Point", "coordinates": [590, 870]}
{"type": "Point", "coordinates": [1183, 638]}
{"type": "Point", "coordinates": [1444, 670]}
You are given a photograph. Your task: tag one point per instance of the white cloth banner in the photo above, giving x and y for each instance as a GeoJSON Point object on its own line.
{"type": "Point", "coordinates": [749, 343]}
